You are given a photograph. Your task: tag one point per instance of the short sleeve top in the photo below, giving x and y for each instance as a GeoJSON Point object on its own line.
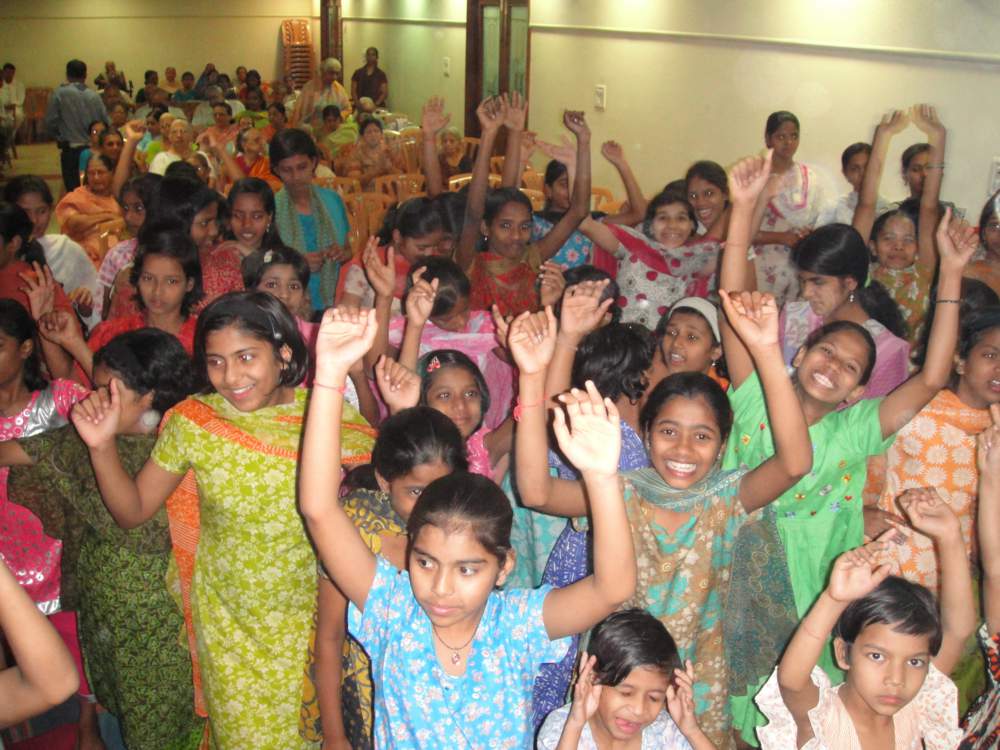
{"type": "Point", "coordinates": [417, 704]}
{"type": "Point", "coordinates": [661, 734]}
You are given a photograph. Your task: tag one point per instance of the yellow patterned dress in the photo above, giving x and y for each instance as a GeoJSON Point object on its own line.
{"type": "Point", "coordinates": [254, 586]}
{"type": "Point", "coordinates": [375, 518]}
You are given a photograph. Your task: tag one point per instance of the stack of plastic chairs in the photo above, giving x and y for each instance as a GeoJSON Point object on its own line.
{"type": "Point", "coordinates": [298, 51]}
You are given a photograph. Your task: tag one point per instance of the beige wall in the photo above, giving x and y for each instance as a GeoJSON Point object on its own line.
{"type": "Point", "coordinates": [40, 36]}
{"type": "Point", "coordinates": [412, 37]}
{"type": "Point", "coordinates": [678, 91]}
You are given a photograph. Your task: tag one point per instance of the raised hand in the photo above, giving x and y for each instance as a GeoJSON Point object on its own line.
{"type": "Point", "coordinates": [398, 384]}
{"type": "Point", "coordinates": [60, 327]}
{"type": "Point", "coordinates": [97, 417]}
{"type": "Point", "coordinates": [550, 283]}
{"type": "Point", "coordinates": [590, 437]}
{"type": "Point", "coordinates": [754, 317]}
{"type": "Point", "coordinates": [517, 112]}
{"type": "Point", "coordinates": [381, 275]}
{"type": "Point", "coordinates": [528, 145]}
{"type": "Point", "coordinates": [879, 522]}
{"type": "Point", "coordinates": [893, 122]}
{"type": "Point", "coordinates": [613, 152]}
{"type": "Point", "coordinates": [135, 129]}
{"type": "Point", "coordinates": [532, 341]}
{"type": "Point", "coordinates": [576, 122]}
{"type": "Point", "coordinates": [40, 288]}
{"type": "Point", "coordinates": [420, 298]}
{"type": "Point", "coordinates": [491, 113]}
{"type": "Point", "coordinates": [858, 572]}
{"type": "Point", "coordinates": [956, 242]}
{"type": "Point", "coordinates": [925, 117]}
{"type": "Point", "coordinates": [582, 309]}
{"type": "Point", "coordinates": [345, 336]}
{"type": "Point", "coordinates": [680, 700]}
{"type": "Point", "coordinates": [564, 153]}
{"type": "Point", "coordinates": [748, 178]}
{"type": "Point", "coordinates": [501, 326]}
{"type": "Point", "coordinates": [586, 692]}
{"type": "Point", "coordinates": [930, 515]}
{"type": "Point", "coordinates": [433, 118]}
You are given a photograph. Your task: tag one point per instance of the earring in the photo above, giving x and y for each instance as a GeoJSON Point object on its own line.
{"type": "Point", "coordinates": [149, 419]}
{"type": "Point", "coordinates": [850, 297]}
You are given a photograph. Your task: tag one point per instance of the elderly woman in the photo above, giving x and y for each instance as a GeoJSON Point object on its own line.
{"type": "Point", "coordinates": [90, 214]}
{"type": "Point", "coordinates": [319, 93]}
{"type": "Point", "coordinates": [223, 130]}
{"type": "Point", "coordinates": [179, 139]}
{"type": "Point", "coordinates": [371, 156]}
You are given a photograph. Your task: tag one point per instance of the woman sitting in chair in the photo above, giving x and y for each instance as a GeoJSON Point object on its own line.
{"type": "Point", "coordinates": [90, 214]}
{"type": "Point", "coordinates": [371, 156]}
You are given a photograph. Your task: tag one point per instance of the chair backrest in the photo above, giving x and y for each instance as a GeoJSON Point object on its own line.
{"type": "Point", "coordinates": [375, 207]}
{"type": "Point", "coordinates": [410, 185]}
{"type": "Point", "coordinates": [410, 150]}
{"type": "Point", "coordinates": [459, 181]}
{"type": "Point", "coordinates": [471, 146]}
{"type": "Point", "coordinates": [532, 180]}
{"type": "Point", "coordinates": [537, 198]}
{"type": "Point", "coordinates": [599, 196]}
{"type": "Point", "coordinates": [413, 131]}
{"type": "Point", "coordinates": [496, 165]}
{"type": "Point", "coordinates": [386, 184]}
{"type": "Point", "coordinates": [343, 185]}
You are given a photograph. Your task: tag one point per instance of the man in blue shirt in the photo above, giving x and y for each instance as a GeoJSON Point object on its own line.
{"type": "Point", "coordinates": [71, 110]}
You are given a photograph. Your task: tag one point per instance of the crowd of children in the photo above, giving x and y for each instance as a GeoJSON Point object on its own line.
{"type": "Point", "coordinates": [720, 469]}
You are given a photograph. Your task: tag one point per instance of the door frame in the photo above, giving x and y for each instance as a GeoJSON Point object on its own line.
{"type": "Point", "coordinates": [473, 55]}
{"type": "Point", "coordinates": [331, 14]}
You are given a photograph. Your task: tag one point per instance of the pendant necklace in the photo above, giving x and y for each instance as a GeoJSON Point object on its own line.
{"type": "Point", "coordinates": [456, 657]}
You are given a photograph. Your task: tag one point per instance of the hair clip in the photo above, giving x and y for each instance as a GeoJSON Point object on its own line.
{"type": "Point", "coordinates": [269, 256]}
{"type": "Point", "coordinates": [434, 364]}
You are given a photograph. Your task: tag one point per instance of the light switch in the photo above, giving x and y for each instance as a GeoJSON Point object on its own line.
{"type": "Point", "coordinates": [600, 97]}
{"type": "Point", "coordinates": [446, 66]}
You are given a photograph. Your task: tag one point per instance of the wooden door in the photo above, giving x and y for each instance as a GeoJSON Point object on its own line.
{"type": "Point", "coordinates": [496, 53]}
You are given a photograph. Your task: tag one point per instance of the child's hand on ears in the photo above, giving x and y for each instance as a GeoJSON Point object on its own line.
{"type": "Point", "coordinates": [586, 692]}
{"type": "Point", "coordinates": [893, 122]}
{"type": "Point", "coordinates": [398, 384]}
{"type": "Point", "coordinates": [956, 242]}
{"type": "Point", "coordinates": [680, 700]}
{"type": "Point", "coordinates": [925, 117]}
{"type": "Point", "coordinates": [582, 309]}
{"type": "Point", "coordinates": [576, 122]}
{"type": "Point", "coordinates": [550, 283]}
{"type": "Point", "coordinates": [432, 117]}
{"type": "Point", "coordinates": [748, 178]}
{"type": "Point", "coordinates": [532, 341]}
{"type": "Point", "coordinates": [345, 336]}
{"type": "Point", "coordinates": [420, 298]}
{"type": "Point", "coordinates": [857, 572]}
{"type": "Point", "coordinates": [382, 276]}
{"type": "Point", "coordinates": [754, 317]}
{"type": "Point", "coordinates": [590, 436]}
{"type": "Point", "coordinates": [517, 112]}
{"type": "Point", "coordinates": [931, 515]}
{"type": "Point", "coordinates": [96, 418]}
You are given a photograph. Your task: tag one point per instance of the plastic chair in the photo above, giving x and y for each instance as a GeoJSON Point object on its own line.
{"type": "Point", "coordinates": [599, 196]}
{"type": "Point", "coordinates": [532, 180]}
{"type": "Point", "coordinates": [612, 207]}
{"type": "Point", "coordinates": [496, 165]}
{"type": "Point", "coordinates": [410, 150]}
{"type": "Point", "coordinates": [459, 181]}
{"type": "Point", "coordinates": [372, 206]}
{"type": "Point", "coordinates": [410, 185]}
{"type": "Point", "coordinates": [343, 185]}
{"type": "Point", "coordinates": [413, 131]}
{"type": "Point", "coordinates": [471, 147]}
{"type": "Point", "coordinates": [537, 198]}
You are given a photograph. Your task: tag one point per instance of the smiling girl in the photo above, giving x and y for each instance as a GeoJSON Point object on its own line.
{"type": "Point", "coordinates": [254, 587]}
{"type": "Point", "coordinates": [453, 659]}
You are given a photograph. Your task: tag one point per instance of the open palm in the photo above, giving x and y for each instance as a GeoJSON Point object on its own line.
{"type": "Point", "coordinates": [753, 315]}
{"type": "Point", "coordinates": [857, 572]}
{"type": "Point", "coordinates": [97, 417]}
{"type": "Point", "coordinates": [748, 177]}
{"type": "Point", "coordinates": [590, 436]}
{"type": "Point", "coordinates": [532, 340]}
{"type": "Point", "coordinates": [345, 336]}
{"type": "Point", "coordinates": [382, 276]}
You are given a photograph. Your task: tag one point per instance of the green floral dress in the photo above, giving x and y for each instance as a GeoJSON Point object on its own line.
{"type": "Point", "coordinates": [130, 628]}
{"type": "Point", "coordinates": [254, 585]}
{"type": "Point", "coordinates": [784, 554]}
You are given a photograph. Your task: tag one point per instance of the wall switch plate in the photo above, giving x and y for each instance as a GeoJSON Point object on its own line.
{"type": "Point", "coordinates": [446, 66]}
{"type": "Point", "coordinates": [600, 97]}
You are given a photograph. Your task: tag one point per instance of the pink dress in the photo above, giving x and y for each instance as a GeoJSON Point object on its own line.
{"type": "Point", "coordinates": [892, 354]}
{"type": "Point", "coordinates": [477, 342]}
{"type": "Point", "coordinates": [478, 455]}
{"type": "Point", "coordinates": [929, 721]}
{"type": "Point", "coordinates": [31, 555]}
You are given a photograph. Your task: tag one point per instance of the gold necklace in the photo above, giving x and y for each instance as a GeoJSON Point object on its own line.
{"type": "Point", "coordinates": [456, 657]}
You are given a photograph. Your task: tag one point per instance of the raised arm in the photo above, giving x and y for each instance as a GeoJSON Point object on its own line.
{"type": "Point", "coordinates": [382, 277]}
{"type": "Point", "coordinates": [590, 437]}
{"type": "Point", "coordinates": [956, 244]}
{"type": "Point", "coordinates": [864, 214]}
{"type": "Point", "coordinates": [614, 153]}
{"type": "Point", "coordinates": [63, 343]}
{"type": "Point", "coordinates": [746, 182]}
{"type": "Point", "coordinates": [579, 207]}
{"type": "Point", "coordinates": [490, 113]}
{"type": "Point", "coordinates": [855, 574]}
{"type": "Point", "coordinates": [925, 117]}
{"type": "Point", "coordinates": [532, 342]}
{"type": "Point", "coordinates": [754, 318]}
{"type": "Point", "coordinates": [581, 313]}
{"type": "Point", "coordinates": [419, 304]}
{"type": "Point", "coordinates": [989, 518]}
{"type": "Point", "coordinates": [345, 335]}
{"type": "Point", "coordinates": [930, 515]}
{"type": "Point", "coordinates": [432, 121]}
{"type": "Point", "coordinates": [45, 675]}
{"type": "Point", "coordinates": [134, 131]}
{"type": "Point", "coordinates": [517, 116]}
{"type": "Point", "coordinates": [230, 168]}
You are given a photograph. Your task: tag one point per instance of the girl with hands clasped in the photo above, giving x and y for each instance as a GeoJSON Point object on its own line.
{"type": "Point", "coordinates": [982, 722]}
{"type": "Point", "coordinates": [821, 516]}
{"type": "Point", "coordinates": [893, 643]}
{"type": "Point", "coordinates": [684, 510]}
{"type": "Point", "coordinates": [630, 692]}
{"type": "Point", "coordinates": [454, 658]}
